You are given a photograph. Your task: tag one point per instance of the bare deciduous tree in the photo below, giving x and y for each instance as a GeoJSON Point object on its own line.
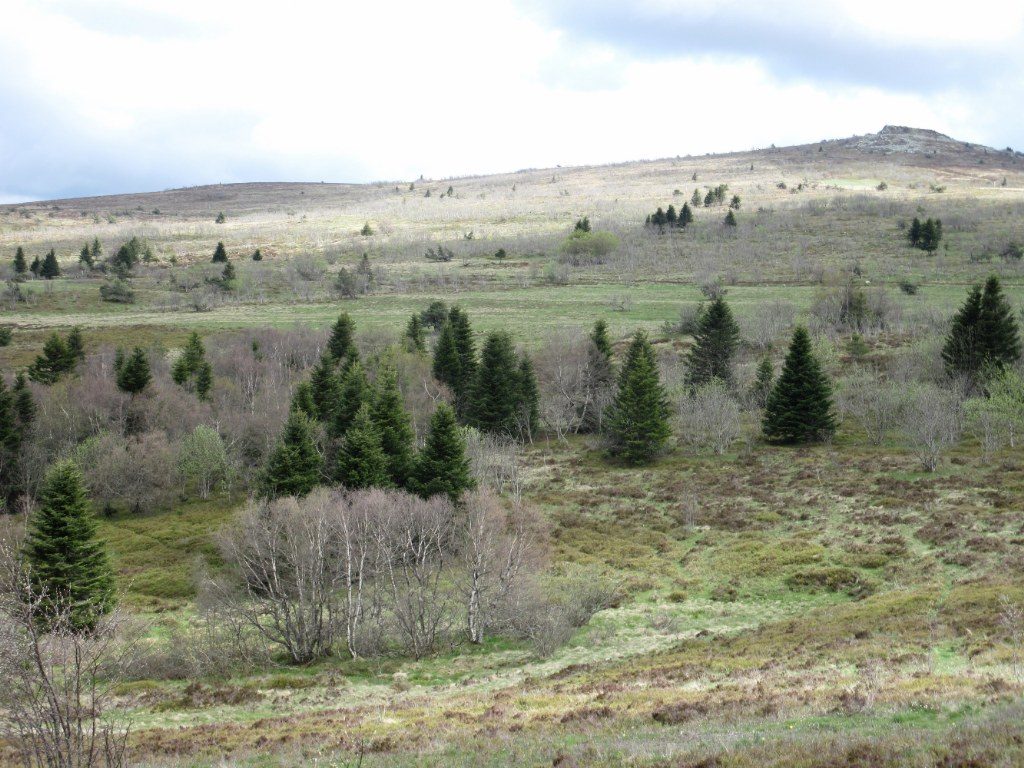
{"type": "Point", "coordinates": [710, 418]}
{"type": "Point", "coordinates": [932, 423]}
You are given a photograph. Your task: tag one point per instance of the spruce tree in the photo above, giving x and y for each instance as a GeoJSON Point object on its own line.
{"type": "Point", "coordinates": [220, 254]}
{"type": "Point", "coordinates": [414, 337]}
{"type": "Point", "coordinates": [362, 462]}
{"type": "Point", "coordinates": [36, 266]}
{"type": "Point", "coordinates": [599, 337]}
{"type": "Point", "coordinates": [442, 466]}
{"type": "Point", "coordinates": [799, 408]}
{"type": "Point", "coordinates": [697, 199]}
{"type": "Point", "coordinates": [10, 448]}
{"type": "Point", "coordinates": [685, 215]}
{"type": "Point", "coordinates": [763, 381]}
{"type": "Point", "coordinates": [227, 277]}
{"type": "Point", "coordinates": [730, 219]}
{"type": "Point", "coordinates": [716, 340]}
{"type": "Point", "coordinates": [96, 250]}
{"type": "Point", "coordinates": [134, 375]}
{"type": "Point", "coordinates": [394, 425]}
{"type": "Point", "coordinates": [303, 402]}
{"type": "Point", "coordinates": [67, 563]}
{"type": "Point", "coordinates": [326, 388]}
{"type": "Point", "coordinates": [636, 422]}
{"type": "Point", "coordinates": [341, 344]}
{"type": "Point", "coordinates": [24, 405]}
{"type": "Point", "coordinates": [85, 257]}
{"type": "Point", "coordinates": [204, 380]}
{"type": "Point", "coordinates": [295, 464]}
{"type": "Point", "coordinates": [20, 265]}
{"type": "Point", "coordinates": [670, 216]}
{"type": "Point", "coordinates": [997, 328]}
{"type": "Point", "coordinates": [354, 392]}
{"type": "Point", "coordinates": [983, 335]}
{"type": "Point", "coordinates": [528, 399]}
{"type": "Point", "coordinates": [447, 367]}
{"type": "Point", "coordinates": [463, 342]}
{"type": "Point", "coordinates": [493, 404]}
{"type": "Point", "coordinates": [256, 255]}
{"type": "Point", "coordinates": [914, 234]}
{"type": "Point", "coordinates": [50, 268]}
{"type": "Point", "coordinates": [189, 361]}
{"type": "Point", "coordinates": [49, 366]}
{"type": "Point", "coordinates": [76, 348]}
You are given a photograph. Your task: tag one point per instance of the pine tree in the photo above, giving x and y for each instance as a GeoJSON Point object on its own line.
{"type": "Point", "coordinates": [447, 367]}
{"type": "Point", "coordinates": [637, 420]}
{"type": "Point", "coordinates": [442, 466]}
{"type": "Point", "coordinates": [341, 344]}
{"type": "Point", "coordinates": [326, 388]}
{"type": "Point", "coordinates": [463, 342]}
{"type": "Point", "coordinates": [697, 199]}
{"type": "Point", "coordinates": [715, 343]}
{"type": "Point", "coordinates": [67, 562]}
{"type": "Point", "coordinates": [983, 334]}
{"type": "Point", "coordinates": [658, 218]}
{"type": "Point", "coordinates": [362, 462]}
{"type": "Point", "coordinates": [685, 215]}
{"type": "Point", "coordinates": [85, 257]}
{"type": "Point", "coordinates": [20, 265]}
{"type": "Point", "coordinates": [220, 254]}
{"type": "Point", "coordinates": [354, 392]}
{"type": "Point", "coordinates": [189, 360]}
{"type": "Point", "coordinates": [670, 216]}
{"type": "Point", "coordinates": [493, 404]}
{"type": "Point", "coordinates": [134, 375]}
{"type": "Point", "coordinates": [997, 328]}
{"type": "Point", "coordinates": [10, 447]}
{"type": "Point", "coordinates": [599, 337]}
{"type": "Point", "coordinates": [76, 348]}
{"type": "Point", "coordinates": [227, 277]}
{"type": "Point", "coordinates": [763, 381]}
{"type": "Point", "coordinates": [256, 255]}
{"type": "Point", "coordinates": [730, 219]}
{"type": "Point", "coordinates": [709, 199]}
{"type": "Point", "coordinates": [735, 202]}
{"type": "Point", "coordinates": [799, 408]}
{"type": "Point", "coordinates": [96, 250]}
{"type": "Point", "coordinates": [302, 400]}
{"type": "Point", "coordinates": [24, 405]}
{"type": "Point", "coordinates": [295, 464]}
{"type": "Point", "coordinates": [527, 400]}
{"type": "Point", "coordinates": [204, 380]}
{"type": "Point", "coordinates": [414, 335]}
{"type": "Point", "coordinates": [50, 268]}
{"type": "Point", "coordinates": [36, 266]}
{"type": "Point", "coordinates": [52, 363]}
{"type": "Point", "coordinates": [394, 425]}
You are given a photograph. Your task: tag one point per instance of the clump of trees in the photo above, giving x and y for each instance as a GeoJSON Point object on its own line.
{"type": "Point", "coordinates": [191, 369]}
{"type": "Point", "coordinates": [670, 218]}
{"type": "Point", "coordinates": [925, 235]}
{"type": "Point", "coordinates": [58, 358]}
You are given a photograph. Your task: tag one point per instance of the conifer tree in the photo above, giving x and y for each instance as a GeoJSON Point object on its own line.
{"type": "Point", "coordinates": [85, 257]}
{"type": "Point", "coordinates": [442, 466]}
{"type": "Point", "coordinates": [447, 367]}
{"type": "Point", "coordinates": [354, 392]}
{"type": "Point", "coordinates": [134, 375]}
{"type": "Point", "coordinates": [227, 277]}
{"type": "Point", "coordinates": [697, 199]}
{"type": "Point", "coordinates": [10, 448]}
{"type": "Point", "coordinates": [50, 268]}
{"type": "Point", "coordinates": [36, 266]}
{"type": "Point", "coordinates": [326, 388]}
{"type": "Point", "coordinates": [715, 343]}
{"type": "Point", "coordinates": [302, 400]}
{"type": "Point", "coordinates": [24, 405]}
{"type": "Point", "coordinates": [414, 337]}
{"type": "Point", "coordinates": [685, 215]}
{"type": "Point", "coordinates": [709, 199]}
{"type": "Point", "coordinates": [49, 366]}
{"type": "Point", "coordinates": [341, 344]}
{"type": "Point", "coordinates": [528, 399]}
{"type": "Point", "coordinates": [730, 219]}
{"type": "Point", "coordinates": [204, 380]}
{"type": "Point", "coordinates": [763, 381]}
{"type": "Point", "coordinates": [637, 419]}
{"type": "Point", "coordinates": [997, 328]}
{"type": "Point", "coordinates": [362, 462]}
{"type": "Point", "coordinates": [599, 337]}
{"type": "Point", "coordinates": [256, 255]}
{"type": "Point", "coordinates": [295, 465]}
{"type": "Point", "coordinates": [220, 254]}
{"type": "Point", "coordinates": [96, 250]}
{"type": "Point", "coordinates": [76, 347]}
{"type": "Point", "coordinates": [983, 335]}
{"type": "Point", "coordinates": [463, 342]}
{"type": "Point", "coordinates": [799, 408]}
{"type": "Point", "coordinates": [670, 216]}
{"type": "Point", "coordinates": [493, 404]}
{"type": "Point", "coordinates": [394, 425]}
{"type": "Point", "coordinates": [20, 265]}
{"type": "Point", "coordinates": [67, 562]}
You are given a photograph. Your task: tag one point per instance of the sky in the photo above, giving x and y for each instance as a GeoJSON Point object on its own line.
{"type": "Point", "coordinates": [108, 96]}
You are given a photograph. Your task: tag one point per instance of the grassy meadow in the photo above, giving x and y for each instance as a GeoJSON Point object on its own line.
{"type": "Point", "coordinates": [832, 605]}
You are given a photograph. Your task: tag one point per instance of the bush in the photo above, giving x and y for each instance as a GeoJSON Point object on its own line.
{"type": "Point", "coordinates": [710, 418]}
{"type": "Point", "coordinates": [583, 247]}
{"type": "Point", "coordinates": [117, 292]}
{"type": "Point", "coordinates": [830, 579]}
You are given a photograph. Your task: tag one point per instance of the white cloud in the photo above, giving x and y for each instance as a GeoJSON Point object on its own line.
{"type": "Point", "coordinates": [109, 95]}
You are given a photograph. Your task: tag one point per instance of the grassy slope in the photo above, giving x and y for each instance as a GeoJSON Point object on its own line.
{"type": "Point", "coordinates": [830, 606]}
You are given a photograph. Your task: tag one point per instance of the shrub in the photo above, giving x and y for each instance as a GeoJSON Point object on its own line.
{"type": "Point", "coordinates": [117, 292]}
{"type": "Point", "coordinates": [583, 247]}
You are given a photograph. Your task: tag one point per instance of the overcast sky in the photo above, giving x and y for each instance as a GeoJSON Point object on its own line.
{"type": "Point", "coordinates": [103, 96]}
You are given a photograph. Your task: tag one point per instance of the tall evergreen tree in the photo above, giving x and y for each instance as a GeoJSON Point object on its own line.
{"type": "Point", "coordinates": [220, 254]}
{"type": "Point", "coordinates": [355, 392]}
{"type": "Point", "coordinates": [394, 425]}
{"type": "Point", "coordinates": [715, 343]}
{"type": "Point", "coordinates": [10, 448]}
{"type": "Point", "coordinates": [637, 420]}
{"type": "Point", "coordinates": [295, 465]}
{"type": "Point", "coordinates": [303, 402]}
{"type": "Point", "coordinates": [362, 462]}
{"type": "Point", "coordinates": [763, 381]}
{"type": "Point", "coordinates": [96, 250]}
{"type": "Point", "coordinates": [326, 388]}
{"type": "Point", "coordinates": [983, 335]}
{"type": "Point", "coordinates": [204, 380]}
{"type": "Point", "coordinates": [85, 257]}
{"type": "Point", "coordinates": [134, 375]}
{"type": "Point", "coordinates": [53, 363]}
{"type": "Point", "coordinates": [670, 216]}
{"type": "Point", "coordinates": [447, 365]}
{"type": "Point", "coordinates": [685, 215]}
{"type": "Point", "coordinates": [527, 400]}
{"type": "Point", "coordinates": [799, 408]}
{"type": "Point", "coordinates": [600, 378]}
{"type": "Point", "coordinates": [341, 344]}
{"type": "Point", "coordinates": [50, 268]}
{"type": "Point", "coordinates": [697, 199]}
{"type": "Point", "coordinates": [730, 219]}
{"type": "Point", "coordinates": [914, 233]}
{"type": "Point", "coordinates": [20, 265]}
{"type": "Point", "coordinates": [36, 266]}
{"type": "Point", "coordinates": [442, 466]}
{"type": "Point", "coordinates": [67, 561]}
{"type": "Point", "coordinates": [24, 405]}
{"type": "Point", "coordinates": [494, 399]}
{"type": "Point", "coordinates": [463, 343]}
{"type": "Point", "coordinates": [76, 347]}
{"type": "Point", "coordinates": [599, 337]}
{"type": "Point", "coordinates": [414, 337]}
